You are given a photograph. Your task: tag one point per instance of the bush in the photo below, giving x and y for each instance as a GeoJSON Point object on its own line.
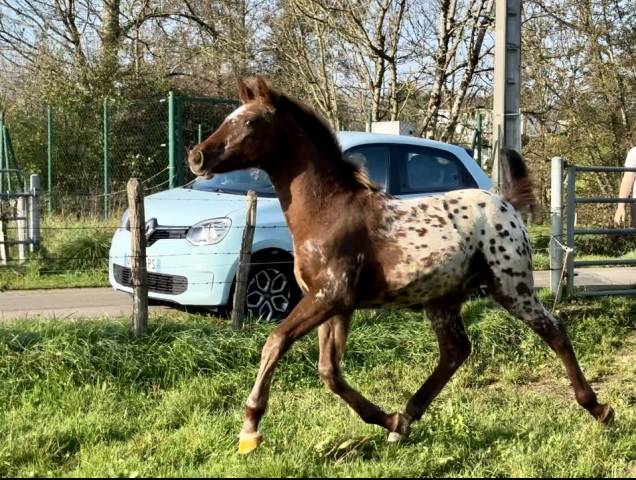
{"type": "Point", "coordinates": [613, 246]}
{"type": "Point", "coordinates": [69, 244]}
{"type": "Point", "coordinates": [83, 251]}
{"type": "Point", "coordinates": [539, 236]}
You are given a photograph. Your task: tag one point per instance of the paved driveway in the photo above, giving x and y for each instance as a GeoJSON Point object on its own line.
{"type": "Point", "coordinates": [100, 302]}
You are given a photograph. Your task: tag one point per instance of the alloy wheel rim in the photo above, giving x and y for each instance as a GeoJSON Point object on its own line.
{"type": "Point", "coordinates": [268, 294]}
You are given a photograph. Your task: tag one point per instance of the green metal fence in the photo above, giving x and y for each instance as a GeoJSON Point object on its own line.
{"type": "Point", "coordinates": [478, 137]}
{"type": "Point", "coordinates": [11, 179]}
{"type": "Point", "coordinates": [86, 153]}
{"type": "Point", "coordinates": [191, 120]}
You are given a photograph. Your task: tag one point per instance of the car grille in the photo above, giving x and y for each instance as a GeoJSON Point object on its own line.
{"type": "Point", "coordinates": [157, 282]}
{"type": "Point", "coordinates": [171, 234]}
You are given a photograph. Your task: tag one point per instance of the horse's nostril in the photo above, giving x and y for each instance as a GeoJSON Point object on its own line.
{"type": "Point", "coordinates": [195, 158]}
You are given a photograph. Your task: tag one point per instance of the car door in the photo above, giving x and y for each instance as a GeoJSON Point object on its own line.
{"type": "Point", "coordinates": [418, 170]}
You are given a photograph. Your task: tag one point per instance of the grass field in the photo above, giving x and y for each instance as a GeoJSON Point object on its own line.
{"type": "Point", "coordinates": [86, 399]}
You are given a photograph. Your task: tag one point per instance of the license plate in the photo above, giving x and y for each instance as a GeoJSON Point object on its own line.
{"type": "Point", "coordinates": [152, 264]}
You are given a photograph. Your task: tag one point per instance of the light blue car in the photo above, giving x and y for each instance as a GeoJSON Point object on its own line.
{"type": "Point", "coordinates": [194, 232]}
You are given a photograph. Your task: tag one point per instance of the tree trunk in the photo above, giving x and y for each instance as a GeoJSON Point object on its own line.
{"type": "Point", "coordinates": [446, 21]}
{"type": "Point", "coordinates": [478, 32]}
{"type": "Point", "coordinates": [111, 38]}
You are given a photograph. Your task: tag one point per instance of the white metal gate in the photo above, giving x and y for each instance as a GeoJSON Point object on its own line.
{"type": "Point", "coordinates": [560, 245]}
{"type": "Point", "coordinates": [20, 221]}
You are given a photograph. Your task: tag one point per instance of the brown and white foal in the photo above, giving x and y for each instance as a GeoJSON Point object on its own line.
{"type": "Point", "coordinates": [356, 247]}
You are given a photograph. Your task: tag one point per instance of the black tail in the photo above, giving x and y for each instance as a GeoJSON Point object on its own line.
{"type": "Point", "coordinates": [516, 185]}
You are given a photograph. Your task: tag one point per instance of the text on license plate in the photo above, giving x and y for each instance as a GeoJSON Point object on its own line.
{"type": "Point", "coordinates": [152, 264]}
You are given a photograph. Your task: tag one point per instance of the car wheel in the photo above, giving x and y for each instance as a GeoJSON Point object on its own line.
{"type": "Point", "coordinates": [271, 293]}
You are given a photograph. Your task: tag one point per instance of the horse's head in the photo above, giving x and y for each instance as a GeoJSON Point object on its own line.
{"type": "Point", "coordinates": [246, 138]}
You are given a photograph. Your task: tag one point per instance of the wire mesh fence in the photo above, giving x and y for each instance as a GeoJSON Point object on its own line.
{"type": "Point", "coordinates": [87, 151]}
{"type": "Point", "coordinates": [76, 159]}
{"type": "Point", "coordinates": [137, 147]}
{"type": "Point", "coordinates": [196, 118]}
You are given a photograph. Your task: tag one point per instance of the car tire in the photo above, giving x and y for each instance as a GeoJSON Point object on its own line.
{"type": "Point", "coordinates": [271, 292]}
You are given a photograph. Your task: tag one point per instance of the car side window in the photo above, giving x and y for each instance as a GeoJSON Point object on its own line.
{"type": "Point", "coordinates": [424, 169]}
{"type": "Point", "coordinates": [374, 158]}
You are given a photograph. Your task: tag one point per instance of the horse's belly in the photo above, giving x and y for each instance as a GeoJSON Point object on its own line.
{"type": "Point", "coordinates": [421, 279]}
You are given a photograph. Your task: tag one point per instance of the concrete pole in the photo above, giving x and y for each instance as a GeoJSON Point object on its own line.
{"type": "Point", "coordinates": [507, 88]}
{"type": "Point", "coordinates": [556, 223]}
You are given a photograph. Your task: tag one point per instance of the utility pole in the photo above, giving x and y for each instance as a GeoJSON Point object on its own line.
{"type": "Point", "coordinates": [507, 88]}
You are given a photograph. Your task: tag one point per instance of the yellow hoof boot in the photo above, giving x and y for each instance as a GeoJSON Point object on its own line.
{"type": "Point", "coordinates": [248, 442]}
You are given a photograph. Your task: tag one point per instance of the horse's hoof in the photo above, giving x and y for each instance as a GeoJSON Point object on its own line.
{"type": "Point", "coordinates": [395, 437]}
{"type": "Point", "coordinates": [607, 416]}
{"type": "Point", "coordinates": [248, 442]}
{"type": "Point", "coordinates": [401, 428]}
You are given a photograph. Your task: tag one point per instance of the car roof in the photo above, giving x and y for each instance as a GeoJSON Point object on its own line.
{"type": "Point", "coordinates": [350, 139]}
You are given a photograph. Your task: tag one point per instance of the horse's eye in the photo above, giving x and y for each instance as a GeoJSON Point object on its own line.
{"type": "Point", "coordinates": [248, 122]}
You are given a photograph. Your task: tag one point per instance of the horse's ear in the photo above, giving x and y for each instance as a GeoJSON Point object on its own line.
{"type": "Point", "coordinates": [263, 92]}
{"type": "Point", "coordinates": [245, 94]}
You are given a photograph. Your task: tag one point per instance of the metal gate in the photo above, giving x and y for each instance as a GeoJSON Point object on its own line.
{"type": "Point", "coordinates": [20, 222]}
{"type": "Point", "coordinates": [558, 247]}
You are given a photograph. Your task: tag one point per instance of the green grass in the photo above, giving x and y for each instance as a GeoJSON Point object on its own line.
{"type": "Point", "coordinates": [28, 279]}
{"type": "Point", "coordinates": [74, 253]}
{"type": "Point", "coordinates": [87, 399]}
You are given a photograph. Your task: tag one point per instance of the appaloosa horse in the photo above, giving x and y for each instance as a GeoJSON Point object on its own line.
{"type": "Point", "coordinates": [356, 247]}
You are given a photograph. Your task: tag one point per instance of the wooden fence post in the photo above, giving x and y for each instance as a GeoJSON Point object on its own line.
{"type": "Point", "coordinates": [22, 226]}
{"type": "Point", "coordinates": [139, 276]}
{"type": "Point", "coordinates": [4, 238]}
{"type": "Point", "coordinates": [34, 212]}
{"type": "Point", "coordinates": [238, 309]}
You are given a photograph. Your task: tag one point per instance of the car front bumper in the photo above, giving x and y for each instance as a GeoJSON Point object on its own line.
{"type": "Point", "coordinates": [178, 271]}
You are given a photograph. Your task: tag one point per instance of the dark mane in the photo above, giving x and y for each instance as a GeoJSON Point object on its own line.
{"type": "Point", "coordinates": [321, 135]}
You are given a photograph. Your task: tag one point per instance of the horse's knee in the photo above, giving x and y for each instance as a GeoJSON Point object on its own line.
{"type": "Point", "coordinates": [330, 376]}
{"type": "Point", "coordinates": [275, 345]}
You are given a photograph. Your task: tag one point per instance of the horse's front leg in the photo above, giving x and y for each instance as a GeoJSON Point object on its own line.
{"type": "Point", "coordinates": [308, 314]}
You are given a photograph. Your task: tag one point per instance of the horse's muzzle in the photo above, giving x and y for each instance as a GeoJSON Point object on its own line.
{"type": "Point", "coordinates": [197, 163]}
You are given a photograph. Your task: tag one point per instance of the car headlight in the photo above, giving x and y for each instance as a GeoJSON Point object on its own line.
{"type": "Point", "coordinates": [125, 220]}
{"type": "Point", "coordinates": [209, 232]}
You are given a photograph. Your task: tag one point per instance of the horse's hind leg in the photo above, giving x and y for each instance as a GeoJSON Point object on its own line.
{"type": "Point", "coordinates": [526, 306]}
{"type": "Point", "coordinates": [454, 349]}
{"type": "Point", "coordinates": [332, 338]}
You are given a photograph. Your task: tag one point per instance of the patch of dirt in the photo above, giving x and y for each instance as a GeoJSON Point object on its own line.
{"type": "Point", "coordinates": [623, 368]}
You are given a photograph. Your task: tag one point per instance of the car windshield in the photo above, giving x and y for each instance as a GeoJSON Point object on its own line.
{"type": "Point", "coordinates": [238, 182]}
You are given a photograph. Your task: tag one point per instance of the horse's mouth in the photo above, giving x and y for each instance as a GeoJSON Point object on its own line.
{"type": "Point", "coordinates": [202, 173]}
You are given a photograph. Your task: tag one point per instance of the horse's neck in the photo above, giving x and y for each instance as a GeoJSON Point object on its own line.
{"type": "Point", "coordinates": [310, 192]}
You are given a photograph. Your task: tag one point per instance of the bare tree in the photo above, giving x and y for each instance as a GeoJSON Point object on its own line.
{"type": "Point", "coordinates": [372, 30]}
{"type": "Point", "coordinates": [459, 51]}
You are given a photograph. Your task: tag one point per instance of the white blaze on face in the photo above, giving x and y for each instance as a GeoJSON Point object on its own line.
{"type": "Point", "coordinates": [234, 119]}
{"type": "Point", "coordinates": [236, 114]}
